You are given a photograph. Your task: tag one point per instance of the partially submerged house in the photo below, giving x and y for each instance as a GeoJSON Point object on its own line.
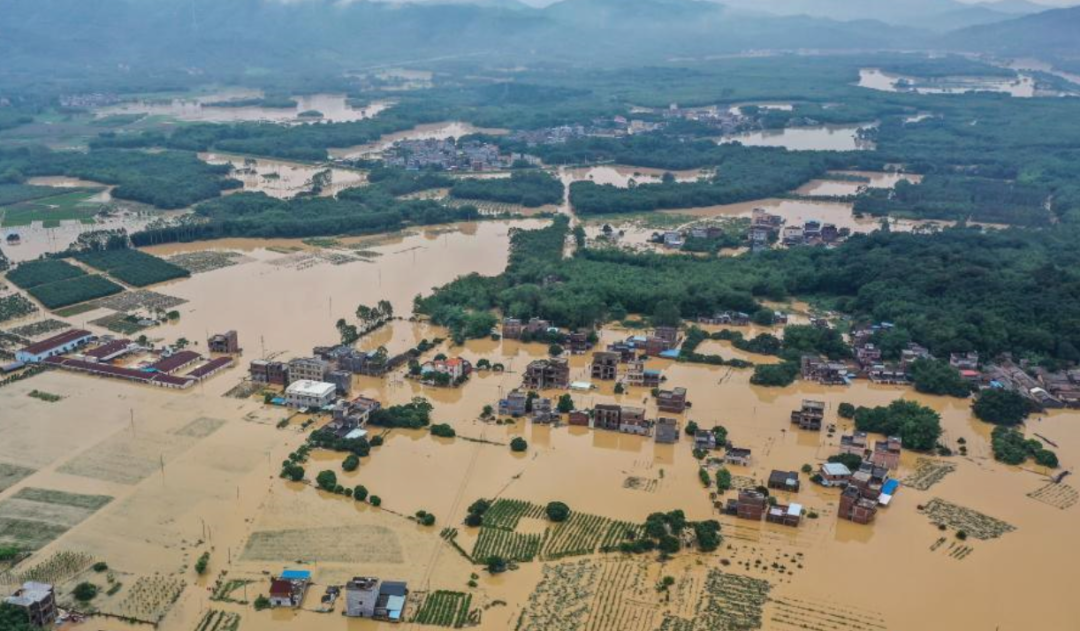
{"type": "Point", "coordinates": [390, 604]}
{"type": "Point", "coordinates": [854, 507]}
{"type": "Point", "coordinates": [605, 365]}
{"type": "Point", "coordinates": [288, 590]}
{"type": "Point", "coordinates": [37, 601]}
{"type": "Point", "coordinates": [784, 481]}
{"type": "Point", "coordinates": [672, 401]}
{"type": "Point", "coordinates": [667, 430]}
{"type": "Point", "coordinates": [887, 453]}
{"type": "Point", "coordinates": [834, 474]}
{"type": "Point", "coordinates": [737, 456]}
{"type": "Point", "coordinates": [544, 374]}
{"type": "Point", "coordinates": [810, 415]}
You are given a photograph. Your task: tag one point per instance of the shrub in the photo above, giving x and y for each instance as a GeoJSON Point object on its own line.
{"type": "Point", "coordinates": [519, 445]}
{"type": "Point", "coordinates": [375, 501]}
{"type": "Point", "coordinates": [100, 566]}
{"type": "Point", "coordinates": [262, 602]}
{"type": "Point", "coordinates": [443, 430]}
{"type": "Point", "coordinates": [557, 511]}
{"type": "Point", "coordinates": [202, 563]}
{"type": "Point", "coordinates": [351, 463]}
{"type": "Point", "coordinates": [846, 410]}
{"type": "Point", "coordinates": [85, 592]}
{"type": "Point", "coordinates": [495, 564]}
{"type": "Point", "coordinates": [360, 493]}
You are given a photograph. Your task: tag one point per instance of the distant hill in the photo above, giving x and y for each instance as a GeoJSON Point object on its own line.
{"type": "Point", "coordinates": [1051, 35]}
{"type": "Point", "coordinates": [256, 35]}
{"type": "Point", "coordinates": [936, 15]}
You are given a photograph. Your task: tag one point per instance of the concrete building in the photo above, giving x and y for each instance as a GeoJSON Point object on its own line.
{"type": "Point", "coordinates": [361, 595]}
{"type": "Point", "coordinates": [342, 380]}
{"type": "Point", "coordinates": [544, 374]}
{"type": "Point", "coordinates": [854, 507]}
{"type": "Point", "coordinates": [784, 481]}
{"type": "Point", "coordinates": [59, 344]}
{"type": "Point", "coordinates": [607, 416]}
{"type": "Point", "coordinates": [578, 418]}
{"type": "Point", "coordinates": [834, 474]}
{"type": "Point", "coordinates": [667, 430]}
{"type": "Point", "coordinates": [737, 456]}
{"type": "Point", "coordinates": [227, 343]}
{"type": "Point", "coordinates": [632, 421]}
{"type": "Point", "coordinates": [673, 401]}
{"type": "Point", "coordinates": [310, 394]}
{"type": "Point", "coordinates": [638, 375]}
{"type": "Point", "coordinates": [785, 515]}
{"type": "Point", "coordinates": [810, 416]}
{"type": "Point", "coordinates": [887, 453]}
{"type": "Point", "coordinates": [854, 444]}
{"type": "Point", "coordinates": [273, 373]}
{"type": "Point", "coordinates": [605, 366]}
{"type": "Point", "coordinates": [390, 604]}
{"type": "Point", "coordinates": [514, 404]}
{"type": "Point", "coordinates": [512, 328]}
{"type": "Point", "coordinates": [750, 505]}
{"type": "Point", "coordinates": [704, 439]}
{"type": "Point", "coordinates": [38, 600]}
{"type": "Point", "coordinates": [308, 369]}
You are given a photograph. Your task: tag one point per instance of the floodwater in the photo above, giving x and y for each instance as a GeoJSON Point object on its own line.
{"type": "Point", "coordinates": [780, 107]}
{"type": "Point", "coordinates": [820, 138]}
{"type": "Point", "coordinates": [1042, 66]}
{"type": "Point", "coordinates": [625, 176]}
{"type": "Point", "coordinates": [875, 79]}
{"type": "Point", "coordinates": [840, 188]}
{"type": "Point", "coordinates": [452, 129]}
{"type": "Point", "coordinates": [334, 108]}
{"type": "Point", "coordinates": [182, 485]}
{"type": "Point", "coordinates": [794, 212]}
{"type": "Point", "coordinates": [283, 179]}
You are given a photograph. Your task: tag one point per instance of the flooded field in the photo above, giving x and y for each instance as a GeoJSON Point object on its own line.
{"type": "Point", "coordinates": [452, 129]}
{"type": "Point", "coordinates": [624, 176]}
{"type": "Point", "coordinates": [821, 138]}
{"type": "Point", "coordinates": [283, 179]}
{"type": "Point", "coordinates": [841, 188]}
{"type": "Point", "coordinates": [175, 474]}
{"type": "Point", "coordinates": [334, 108]}
{"type": "Point", "coordinates": [1023, 86]}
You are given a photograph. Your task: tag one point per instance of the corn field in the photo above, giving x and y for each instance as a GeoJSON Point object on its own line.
{"type": "Point", "coordinates": [506, 544]}
{"type": "Point", "coordinates": [444, 609]}
{"type": "Point", "coordinates": [585, 534]}
{"type": "Point", "coordinates": [54, 570]}
{"type": "Point", "coordinates": [215, 620]}
{"type": "Point", "coordinates": [508, 513]}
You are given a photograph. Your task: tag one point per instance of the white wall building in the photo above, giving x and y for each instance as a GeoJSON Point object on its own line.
{"type": "Point", "coordinates": [310, 394]}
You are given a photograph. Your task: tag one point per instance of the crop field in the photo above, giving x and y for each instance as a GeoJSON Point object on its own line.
{"type": "Point", "coordinates": [974, 523]}
{"type": "Point", "coordinates": [15, 306]}
{"type": "Point", "coordinates": [69, 292]}
{"type": "Point", "coordinates": [215, 620]}
{"type": "Point", "coordinates": [508, 513]}
{"type": "Point", "coordinates": [133, 267]}
{"type": "Point", "coordinates": [11, 474]}
{"type": "Point", "coordinates": [927, 473]}
{"type": "Point", "coordinates": [33, 518]}
{"type": "Point", "coordinates": [506, 544]}
{"type": "Point", "coordinates": [225, 589]}
{"type": "Point", "coordinates": [207, 260]}
{"type": "Point", "coordinates": [585, 534]}
{"type": "Point", "coordinates": [150, 598]}
{"type": "Point", "coordinates": [625, 599]}
{"type": "Point", "coordinates": [126, 459]}
{"type": "Point", "coordinates": [330, 544]}
{"type": "Point", "coordinates": [562, 599]}
{"type": "Point", "coordinates": [731, 602]}
{"type": "Point", "coordinates": [823, 615]}
{"type": "Point", "coordinates": [1058, 495]}
{"type": "Point", "coordinates": [15, 193]}
{"type": "Point", "coordinates": [36, 273]}
{"type": "Point", "coordinates": [140, 299]}
{"type": "Point", "coordinates": [121, 323]}
{"type": "Point", "coordinates": [56, 569]}
{"type": "Point", "coordinates": [70, 205]}
{"type": "Point", "coordinates": [444, 609]}
{"type": "Point", "coordinates": [42, 328]}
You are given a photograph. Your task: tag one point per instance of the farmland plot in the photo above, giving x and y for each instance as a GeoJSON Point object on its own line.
{"type": "Point", "coordinates": [127, 459]}
{"type": "Point", "coordinates": [33, 518]}
{"type": "Point", "coordinates": [332, 544]}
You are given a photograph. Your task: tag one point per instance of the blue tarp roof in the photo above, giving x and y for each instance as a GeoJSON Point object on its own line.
{"type": "Point", "coordinates": [670, 354]}
{"type": "Point", "coordinates": [295, 575]}
{"type": "Point", "coordinates": [890, 487]}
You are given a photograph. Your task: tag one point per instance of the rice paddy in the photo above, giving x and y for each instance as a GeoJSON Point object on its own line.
{"type": "Point", "coordinates": [822, 615]}
{"type": "Point", "coordinates": [731, 602]}
{"type": "Point", "coordinates": [625, 599]}
{"type": "Point", "coordinates": [444, 609]}
{"type": "Point", "coordinates": [927, 473]}
{"type": "Point", "coordinates": [1061, 496]}
{"type": "Point", "coordinates": [12, 474]}
{"type": "Point", "coordinates": [129, 458]}
{"type": "Point", "coordinates": [972, 522]}
{"type": "Point", "coordinates": [336, 544]}
{"type": "Point", "coordinates": [33, 517]}
{"type": "Point", "coordinates": [561, 601]}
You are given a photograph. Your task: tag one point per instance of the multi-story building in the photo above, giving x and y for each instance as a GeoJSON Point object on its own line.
{"type": "Point", "coordinates": [854, 444]}
{"type": "Point", "coordinates": [308, 369]}
{"type": "Point", "coordinates": [273, 373]}
{"type": "Point", "coordinates": [854, 507]}
{"type": "Point", "coordinates": [810, 415]}
{"type": "Point", "coordinates": [544, 374]}
{"type": "Point", "coordinates": [667, 430]}
{"type": "Point", "coordinates": [887, 453]}
{"type": "Point", "coordinates": [38, 601]}
{"type": "Point", "coordinates": [512, 328]}
{"type": "Point", "coordinates": [632, 421]}
{"type": "Point", "coordinates": [605, 366]}
{"type": "Point", "coordinates": [672, 401]}
{"type": "Point", "coordinates": [361, 594]}
{"type": "Point", "coordinates": [514, 404]}
{"type": "Point", "coordinates": [225, 343]}
{"type": "Point", "coordinates": [784, 481]}
{"type": "Point", "coordinates": [737, 456]}
{"type": "Point", "coordinates": [310, 394]}
{"type": "Point", "coordinates": [607, 416]}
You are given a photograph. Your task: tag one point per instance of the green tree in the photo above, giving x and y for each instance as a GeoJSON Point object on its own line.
{"type": "Point", "coordinates": [519, 444]}
{"type": "Point", "coordinates": [557, 511]}
{"type": "Point", "coordinates": [351, 463]}
{"type": "Point", "coordinates": [495, 564]}
{"type": "Point", "coordinates": [375, 501]}
{"type": "Point", "coordinates": [691, 428]}
{"type": "Point", "coordinates": [327, 480]}
{"type": "Point", "coordinates": [555, 350]}
{"type": "Point", "coordinates": [1001, 407]}
{"type": "Point", "coordinates": [932, 376]}
{"type": "Point", "coordinates": [360, 493]}
{"type": "Point", "coordinates": [723, 479]}
{"type": "Point", "coordinates": [566, 404]}
{"type": "Point", "coordinates": [846, 410]}
{"type": "Point", "coordinates": [918, 426]}
{"type": "Point", "coordinates": [14, 618]}
{"type": "Point", "coordinates": [85, 592]}
{"type": "Point", "coordinates": [666, 314]}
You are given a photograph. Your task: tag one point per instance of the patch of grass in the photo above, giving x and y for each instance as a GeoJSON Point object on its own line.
{"type": "Point", "coordinates": [12, 474]}
{"type": "Point", "coordinates": [41, 395]}
{"type": "Point", "coordinates": [51, 211]}
{"type": "Point", "coordinates": [69, 292]}
{"type": "Point", "coordinates": [68, 312]}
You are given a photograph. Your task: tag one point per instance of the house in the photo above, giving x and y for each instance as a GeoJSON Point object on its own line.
{"type": "Point", "coordinates": [632, 421]}
{"type": "Point", "coordinates": [456, 368]}
{"type": "Point", "coordinates": [51, 347]}
{"type": "Point", "coordinates": [288, 589]}
{"type": "Point", "coordinates": [853, 444]}
{"type": "Point", "coordinates": [751, 505]}
{"type": "Point", "coordinates": [913, 353]}
{"type": "Point", "coordinates": [580, 342]}
{"type": "Point", "coordinates": [704, 439]}
{"type": "Point", "coordinates": [784, 481]}
{"type": "Point", "coordinates": [964, 361]}
{"type": "Point", "coordinates": [669, 334]}
{"type": "Point", "coordinates": [110, 350]}
{"type": "Point", "coordinates": [829, 233]}
{"type": "Point", "coordinates": [673, 239]}
{"type": "Point", "coordinates": [514, 404]}
{"type": "Point", "coordinates": [344, 358]}
{"type": "Point", "coordinates": [605, 366]}
{"type": "Point", "coordinates": [829, 373]}
{"type": "Point", "coordinates": [38, 602]}
{"type": "Point", "coordinates": [733, 318]}
{"type": "Point", "coordinates": [887, 453]}
{"type": "Point", "coordinates": [537, 326]}
{"type": "Point", "coordinates": [310, 394]}
{"type": "Point", "coordinates": [174, 361]}
{"type": "Point", "coordinates": [867, 355]}
{"type": "Point", "coordinates": [361, 595]}
{"type": "Point", "coordinates": [544, 374]}
{"type": "Point", "coordinates": [637, 375]}
{"type": "Point", "coordinates": [886, 374]}
{"type": "Point", "coordinates": [834, 474]}
{"type": "Point", "coordinates": [869, 479]}
{"type": "Point", "coordinates": [673, 401]}
{"type": "Point", "coordinates": [390, 604]}
{"type": "Point", "coordinates": [792, 235]}
{"type": "Point", "coordinates": [607, 416]}
{"type": "Point", "coordinates": [579, 418]}
{"type": "Point", "coordinates": [273, 373]}
{"type": "Point", "coordinates": [342, 380]}
{"type": "Point", "coordinates": [512, 328]}
{"type": "Point", "coordinates": [810, 415]}
{"type": "Point", "coordinates": [785, 515]}
{"type": "Point", "coordinates": [543, 411]}
{"type": "Point", "coordinates": [737, 456]}
{"type": "Point", "coordinates": [667, 430]}
{"type": "Point", "coordinates": [348, 416]}
{"type": "Point", "coordinates": [626, 350]}
{"type": "Point", "coordinates": [308, 369]}
{"type": "Point", "coordinates": [854, 507]}
{"type": "Point", "coordinates": [226, 343]}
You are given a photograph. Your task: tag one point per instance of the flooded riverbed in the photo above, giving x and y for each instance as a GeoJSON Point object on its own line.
{"type": "Point", "coordinates": [334, 108]}
{"type": "Point", "coordinates": [840, 187]}
{"type": "Point", "coordinates": [195, 471]}
{"type": "Point", "coordinates": [283, 179]}
{"type": "Point", "coordinates": [1022, 86]}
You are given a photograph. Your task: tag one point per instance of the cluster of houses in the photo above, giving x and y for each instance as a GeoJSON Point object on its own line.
{"type": "Point", "coordinates": [443, 371]}
{"type": "Point", "coordinates": [613, 127]}
{"type": "Point", "coordinates": [1045, 388]}
{"type": "Point", "coordinates": [813, 232]}
{"type": "Point", "coordinates": [537, 329]}
{"type": "Point", "coordinates": [79, 350]}
{"type": "Point", "coordinates": [449, 155]}
{"type": "Point", "coordinates": [365, 597]}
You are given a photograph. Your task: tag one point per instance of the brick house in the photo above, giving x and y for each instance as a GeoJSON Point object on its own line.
{"type": "Point", "coordinates": [810, 415]}
{"type": "Point", "coordinates": [605, 366]}
{"type": "Point", "coordinates": [673, 401]}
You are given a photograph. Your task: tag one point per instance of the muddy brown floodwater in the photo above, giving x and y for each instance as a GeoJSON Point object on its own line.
{"type": "Point", "coordinates": [284, 179]}
{"type": "Point", "coordinates": [334, 108]}
{"type": "Point", "coordinates": [197, 471]}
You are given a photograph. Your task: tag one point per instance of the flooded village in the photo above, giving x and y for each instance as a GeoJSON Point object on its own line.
{"type": "Point", "coordinates": [493, 346]}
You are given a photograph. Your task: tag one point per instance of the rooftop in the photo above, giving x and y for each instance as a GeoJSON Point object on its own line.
{"type": "Point", "coordinates": [308, 388]}
{"type": "Point", "coordinates": [48, 344]}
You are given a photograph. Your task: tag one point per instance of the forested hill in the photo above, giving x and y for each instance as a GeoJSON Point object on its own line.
{"type": "Point", "coordinates": [213, 36]}
{"type": "Point", "coordinates": [1049, 35]}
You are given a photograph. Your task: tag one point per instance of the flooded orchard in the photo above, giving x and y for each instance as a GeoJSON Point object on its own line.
{"type": "Point", "coordinates": [176, 474]}
{"type": "Point", "coordinates": [284, 179]}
